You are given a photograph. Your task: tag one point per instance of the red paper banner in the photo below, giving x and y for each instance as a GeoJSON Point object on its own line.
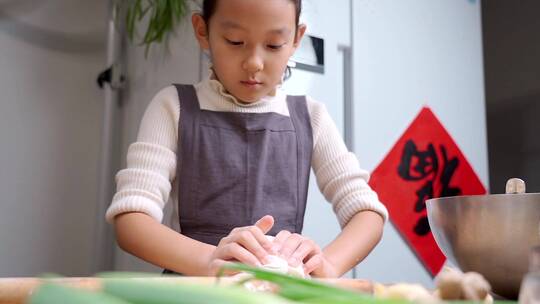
{"type": "Point", "coordinates": [424, 163]}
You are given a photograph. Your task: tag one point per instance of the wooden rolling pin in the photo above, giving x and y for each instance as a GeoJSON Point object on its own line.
{"type": "Point", "coordinates": [17, 290]}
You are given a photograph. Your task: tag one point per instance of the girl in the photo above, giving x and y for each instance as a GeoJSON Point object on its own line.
{"type": "Point", "coordinates": [236, 153]}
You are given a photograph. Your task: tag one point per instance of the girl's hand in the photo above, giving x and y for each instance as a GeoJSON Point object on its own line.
{"type": "Point", "coordinates": [297, 249]}
{"type": "Point", "coordinates": [247, 245]}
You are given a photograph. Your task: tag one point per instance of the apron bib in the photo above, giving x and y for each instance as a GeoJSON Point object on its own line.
{"type": "Point", "coordinates": [234, 168]}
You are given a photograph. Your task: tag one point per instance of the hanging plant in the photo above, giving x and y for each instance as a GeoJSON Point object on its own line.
{"type": "Point", "coordinates": [163, 17]}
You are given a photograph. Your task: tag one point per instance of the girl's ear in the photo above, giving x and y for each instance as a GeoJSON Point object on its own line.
{"type": "Point", "coordinates": [201, 31]}
{"type": "Point", "coordinates": [299, 34]}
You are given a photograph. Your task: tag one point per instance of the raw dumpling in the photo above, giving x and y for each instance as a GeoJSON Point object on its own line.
{"type": "Point", "coordinates": [280, 265]}
{"type": "Point", "coordinates": [276, 264]}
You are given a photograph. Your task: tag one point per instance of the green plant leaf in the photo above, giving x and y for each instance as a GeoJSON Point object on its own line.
{"type": "Point", "coordinates": [163, 17]}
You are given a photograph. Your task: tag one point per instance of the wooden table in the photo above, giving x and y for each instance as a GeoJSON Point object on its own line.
{"type": "Point", "coordinates": [17, 290]}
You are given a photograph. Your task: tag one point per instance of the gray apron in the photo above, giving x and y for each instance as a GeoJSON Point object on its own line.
{"type": "Point", "coordinates": [234, 168]}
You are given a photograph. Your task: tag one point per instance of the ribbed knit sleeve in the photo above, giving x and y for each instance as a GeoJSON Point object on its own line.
{"type": "Point", "coordinates": [145, 184]}
{"type": "Point", "coordinates": [339, 176]}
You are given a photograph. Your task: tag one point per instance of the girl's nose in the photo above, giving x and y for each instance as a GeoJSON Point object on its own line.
{"type": "Point", "coordinates": [253, 63]}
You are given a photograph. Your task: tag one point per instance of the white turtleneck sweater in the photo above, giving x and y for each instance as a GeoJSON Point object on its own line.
{"type": "Point", "coordinates": [148, 182]}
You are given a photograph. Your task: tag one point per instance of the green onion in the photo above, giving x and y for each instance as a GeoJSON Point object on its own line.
{"type": "Point", "coordinates": [138, 292]}
{"type": "Point", "coordinates": [308, 291]}
{"type": "Point", "coordinates": [129, 287]}
{"type": "Point", "coordinates": [49, 293]}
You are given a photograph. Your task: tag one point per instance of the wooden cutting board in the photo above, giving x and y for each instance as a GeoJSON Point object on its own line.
{"type": "Point", "coordinates": [17, 290]}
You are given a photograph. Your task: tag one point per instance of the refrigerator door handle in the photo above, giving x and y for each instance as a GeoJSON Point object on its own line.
{"type": "Point", "coordinates": [348, 105]}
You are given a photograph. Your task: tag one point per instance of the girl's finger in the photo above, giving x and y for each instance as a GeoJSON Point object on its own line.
{"type": "Point", "coordinates": [306, 249]}
{"type": "Point", "coordinates": [313, 263]}
{"type": "Point", "coordinates": [290, 245]}
{"type": "Point", "coordinates": [254, 230]}
{"type": "Point", "coordinates": [279, 240]}
{"type": "Point", "coordinates": [249, 241]}
{"type": "Point", "coordinates": [265, 223]}
{"type": "Point", "coordinates": [260, 236]}
{"type": "Point", "coordinates": [225, 240]}
{"type": "Point", "coordinates": [237, 252]}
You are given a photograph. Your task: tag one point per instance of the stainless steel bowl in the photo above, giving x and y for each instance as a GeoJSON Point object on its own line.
{"type": "Point", "coordinates": [489, 234]}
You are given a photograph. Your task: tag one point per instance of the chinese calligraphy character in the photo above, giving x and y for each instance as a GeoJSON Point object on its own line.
{"type": "Point", "coordinates": [419, 165]}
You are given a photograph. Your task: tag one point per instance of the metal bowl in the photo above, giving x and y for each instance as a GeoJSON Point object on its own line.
{"type": "Point", "coordinates": [489, 234]}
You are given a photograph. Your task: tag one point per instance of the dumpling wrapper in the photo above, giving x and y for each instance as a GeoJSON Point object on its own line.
{"type": "Point", "coordinates": [275, 264]}
{"type": "Point", "coordinates": [280, 265]}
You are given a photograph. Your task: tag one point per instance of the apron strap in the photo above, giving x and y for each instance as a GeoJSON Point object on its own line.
{"type": "Point", "coordinates": [188, 126]}
{"type": "Point", "coordinates": [299, 114]}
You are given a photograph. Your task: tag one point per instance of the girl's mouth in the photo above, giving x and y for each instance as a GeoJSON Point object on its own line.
{"type": "Point", "coordinates": [250, 83]}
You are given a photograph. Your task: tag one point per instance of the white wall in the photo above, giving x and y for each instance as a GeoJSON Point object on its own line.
{"type": "Point", "coordinates": [408, 54]}
{"type": "Point", "coordinates": [50, 120]}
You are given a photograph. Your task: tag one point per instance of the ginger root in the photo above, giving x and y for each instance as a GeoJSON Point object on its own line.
{"type": "Point", "coordinates": [451, 285]}
{"type": "Point", "coordinates": [404, 291]}
{"type": "Point", "coordinates": [455, 285]}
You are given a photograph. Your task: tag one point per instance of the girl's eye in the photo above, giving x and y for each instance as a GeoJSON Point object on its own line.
{"type": "Point", "coordinates": [274, 47]}
{"type": "Point", "coordinates": [234, 42]}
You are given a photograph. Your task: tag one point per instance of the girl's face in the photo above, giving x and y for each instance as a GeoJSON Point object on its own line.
{"type": "Point", "coordinates": [250, 42]}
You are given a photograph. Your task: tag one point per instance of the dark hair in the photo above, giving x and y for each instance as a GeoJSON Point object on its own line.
{"type": "Point", "coordinates": [209, 7]}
